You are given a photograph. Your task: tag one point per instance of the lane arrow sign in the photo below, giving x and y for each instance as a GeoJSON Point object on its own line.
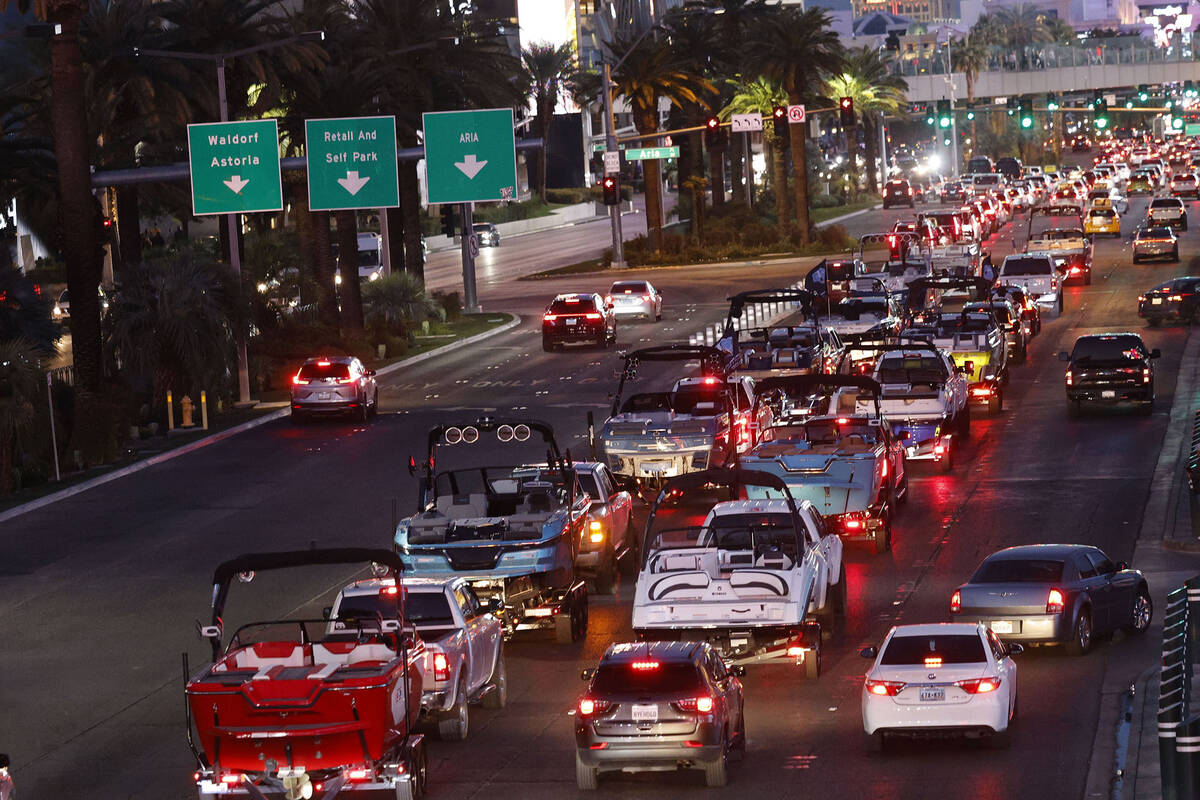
{"type": "Point", "coordinates": [236, 184]}
{"type": "Point", "coordinates": [470, 165]}
{"type": "Point", "coordinates": [352, 183]}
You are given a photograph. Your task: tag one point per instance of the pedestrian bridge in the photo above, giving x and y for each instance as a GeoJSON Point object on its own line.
{"type": "Point", "coordinates": [1038, 69]}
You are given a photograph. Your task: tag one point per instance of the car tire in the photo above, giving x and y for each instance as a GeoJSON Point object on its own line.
{"type": "Point", "coordinates": [564, 628]}
{"type": "Point", "coordinates": [1074, 408]}
{"type": "Point", "coordinates": [873, 742]}
{"type": "Point", "coordinates": [1154, 321]}
{"type": "Point", "coordinates": [882, 539]}
{"type": "Point", "coordinates": [996, 402]}
{"type": "Point", "coordinates": [1080, 643]}
{"type": "Point", "coordinates": [586, 777]}
{"type": "Point", "coordinates": [739, 734]}
{"type": "Point", "coordinates": [547, 347]}
{"type": "Point", "coordinates": [299, 418]}
{"type": "Point", "coordinates": [1060, 304]}
{"type": "Point", "coordinates": [947, 462]}
{"type": "Point", "coordinates": [1087, 278]}
{"type": "Point", "coordinates": [497, 696]}
{"type": "Point", "coordinates": [1175, 255]}
{"type": "Point", "coordinates": [374, 410]}
{"type": "Point", "coordinates": [1141, 613]}
{"type": "Point", "coordinates": [606, 578]}
{"type": "Point", "coordinates": [716, 772]}
{"type": "Point", "coordinates": [902, 489]}
{"type": "Point", "coordinates": [1136, 260]}
{"type": "Point", "coordinates": [453, 724]}
{"type": "Point", "coordinates": [964, 424]}
{"type": "Point", "coordinates": [363, 416]}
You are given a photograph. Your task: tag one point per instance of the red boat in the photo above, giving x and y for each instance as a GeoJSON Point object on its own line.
{"type": "Point", "coordinates": [295, 709]}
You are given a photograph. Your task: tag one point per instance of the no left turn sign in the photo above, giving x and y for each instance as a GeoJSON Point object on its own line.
{"type": "Point", "coordinates": [795, 113]}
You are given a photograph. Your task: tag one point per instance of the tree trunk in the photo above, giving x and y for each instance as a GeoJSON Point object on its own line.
{"type": "Point", "coordinates": [716, 175]}
{"type": "Point", "coordinates": [129, 228]}
{"type": "Point", "coordinates": [78, 212]}
{"type": "Point", "coordinates": [323, 268]}
{"type": "Point", "coordinates": [796, 133]}
{"type": "Point", "coordinates": [351, 289]}
{"type": "Point", "coordinates": [410, 209]}
{"type": "Point", "coordinates": [783, 209]}
{"type": "Point", "coordinates": [545, 116]}
{"type": "Point", "coordinates": [395, 223]}
{"type": "Point", "coordinates": [647, 123]}
{"type": "Point", "coordinates": [871, 136]}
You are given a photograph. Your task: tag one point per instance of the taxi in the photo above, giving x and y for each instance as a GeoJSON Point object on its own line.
{"type": "Point", "coordinates": [1102, 219]}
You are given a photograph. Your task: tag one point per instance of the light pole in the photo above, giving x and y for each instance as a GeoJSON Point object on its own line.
{"type": "Point", "coordinates": [231, 220]}
{"type": "Point", "coordinates": [953, 118]}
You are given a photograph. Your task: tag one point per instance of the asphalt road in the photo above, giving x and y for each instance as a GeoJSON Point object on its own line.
{"type": "Point", "coordinates": [100, 591]}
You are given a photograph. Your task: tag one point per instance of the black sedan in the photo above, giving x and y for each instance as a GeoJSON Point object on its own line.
{"type": "Point", "coordinates": [1176, 300]}
{"type": "Point", "coordinates": [1054, 593]}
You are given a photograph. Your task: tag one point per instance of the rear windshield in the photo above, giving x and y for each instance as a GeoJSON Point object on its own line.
{"type": "Point", "coordinates": [580, 305]}
{"type": "Point", "coordinates": [1155, 233]}
{"type": "Point", "coordinates": [987, 180]}
{"type": "Point", "coordinates": [1103, 212]}
{"type": "Point", "coordinates": [700, 401]}
{"type": "Point", "coordinates": [1109, 348]}
{"type": "Point", "coordinates": [665, 678]}
{"type": "Point", "coordinates": [1166, 202]}
{"type": "Point", "coordinates": [1019, 570]}
{"type": "Point", "coordinates": [587, 482]}
{"type": "Point", "coordinates": [957, 648]}
{"type": "Point", "coordinates": [326, 370]}
{"type": "Point", "coordinates": [419, 607]}
{"type": "Point", "coordinates": [911, 369]}
{"type": "Point", "coordinates": [629, 287]}
{"type": "Point", "coordinates": [482, 226]}
{"type": "Point", "coordinates": [1027, 266]}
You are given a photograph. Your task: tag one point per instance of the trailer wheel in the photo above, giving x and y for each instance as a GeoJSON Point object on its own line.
{"type": "Point", "coordinates": [420, 770]}
{"type": "Point", "coordinates": [812, 662]}
{"type": "Point", "coordinates": [564, 626]}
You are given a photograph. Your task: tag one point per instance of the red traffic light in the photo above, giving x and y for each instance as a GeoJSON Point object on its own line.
{"type": "Point", "coordinates": [847, 104]}
{"type": "Point", "coordinates": [609, 182]}
{"type": "Point", "coordinates": [712, 123]}
{"type": "Point", "coordinates": [779, 112]}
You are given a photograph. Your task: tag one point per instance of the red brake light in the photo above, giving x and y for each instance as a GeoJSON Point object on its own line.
{"type": "Point", "coordinates": [390, 590]}
{"type": "Point", "coordinates": [979, 685]}
{"type": "Point", "coordinates": [704, 704]}
{"type": "Point", "coordinates": [588, 706]}
{"type": "Point", "coordinates": [645, 665]}
{"type": "Point", "coordinates": [1146, 375]}
{"type": "Point", "coordinates": [322, 363]}
{"type": "Point", "coordinates": [548, 318]}
{"type": "Point", "coordinates": [853, 524]}
{"type": "Point", "coordinates": [710, 381]}
{"type": "Point", "coordinates": [346, 380]}
{"type": "Point", "coordinates": [357, 774]}
{"type": "Point", "coordinates": [1070, 378]}
{"type": "Point", "coordinates": [956, 602]}
{"type": "Point", "coordinates": [296, 379]}
{"type": "Point", "coordinates": [699, 705]}
{"type": "Point", "coordinates": [1054, 602]}
{"type": "Point", "coordinates": [883, 470]}
{"type": "Point", "coordinates": [939, 449]}
{"type": "Point", "coordinates": [933, 662]}
{"type": "Point", "coordinates": [884, 688]}
{"type": "Point", "coordinates": [230, 779]}
{"type": "Point", "coordinates": [594, 315]}
{"type": "Point", "coordinates": [441, 667]}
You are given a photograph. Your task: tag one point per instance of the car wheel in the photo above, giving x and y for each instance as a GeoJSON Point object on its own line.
{"type": "Point", "coordinates": [812, 662]}
{"type": "Point", "coordinates": [1136, 260]}
{"type": "Point", "coordinates": [902, 489]}
{"type": "Point", "coordinates": [739, 735]}
{"type": "Point", "coordinates": [605, 579]}
{"type": "Point", "coordinates": [873, 742]}
{"type": "Point", "coordinates": [1175, 255]}
{"type": "Point", "coordinates": [374, 409]}
{"type": "Point", "coordinates": [1060, 303]}
{"type": "Point", "coordinates": [1140, 614]}
{"type": "Point", "coordinates": [547, 347]}
{"type": "Point", "coordinates": [298, 417]}
{"type": "Point", "coordinates": [964, 425]}
{"type": "Point", "coordinates": [452, 727]}
{"type": "Point", "coordinates": [947, 462]}
{"type": "Point", "coordinates": [1081, 634]}
{"type": "Point", "coordinates": [364, 413]}
{"type": "Point", "coordinates": [716, 772]}
{"type": "Point", "coordinates": [1087, 278]}
{"type": "Point", "coordinates": [882, 539]}
{"type": "Point", "coordinates": [996, 402]}
{"type": "Point", "coordinates": [497, 697]}
{"type": "Point", "coordinates": [586, 777]}
{"type": "Point", "coordinates": [1074, 408]}
{"type": "Point", "coordinates": [1153, 322]}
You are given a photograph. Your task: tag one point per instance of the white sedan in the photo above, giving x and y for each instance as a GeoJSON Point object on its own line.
{"type": "Point", "coordinates": [938, 679]}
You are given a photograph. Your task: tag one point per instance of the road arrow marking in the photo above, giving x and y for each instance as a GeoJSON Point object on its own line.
{"type": "Point", "coordinates": [236, 184]}
{"type": "Point", "coordinates": [352, 183]}
{"type": "Point", "coordinates": [470, 166]}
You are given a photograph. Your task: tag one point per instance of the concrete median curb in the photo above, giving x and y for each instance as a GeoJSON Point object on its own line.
{"type": "Point", "coordinates": [190, 447]}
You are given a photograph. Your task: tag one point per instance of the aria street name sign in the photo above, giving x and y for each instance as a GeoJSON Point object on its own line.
{"type": "Point", "coordinates": [649, 153]}
{"type": "Point", "coordinates": [470, 156]}
{"type": "Point", "coordinates": [352, 163]}
{"type": "Point", "coordinates": [235, 167]}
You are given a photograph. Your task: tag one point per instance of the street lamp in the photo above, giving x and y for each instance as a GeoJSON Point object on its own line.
{"type": "Point", "coordinates": [235, 256]}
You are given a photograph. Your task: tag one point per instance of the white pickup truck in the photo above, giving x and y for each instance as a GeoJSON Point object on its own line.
{"type": "Point", "coordinates": [1037, 274]}
{"type": "Point", "coordinates": [924, 398]}
{"type": "Point", "coordinates": [464, 642]}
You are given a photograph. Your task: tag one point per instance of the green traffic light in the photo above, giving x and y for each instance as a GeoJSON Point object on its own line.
{"type": "Point", "coordinates": [1177, 123]}
{"type": "Point", "coordinates": [1011, 112]}
{"type": "Point", "coordinates": [970, 115]}
{"type": "Point", "coordinates": [1129, 104]}
{"type": "Point", "coordinates": [1101, 122]}
{"type": "Point", "coordinates": [1026, 122]}
{"type": "Point", "coordinates": [944, 122]}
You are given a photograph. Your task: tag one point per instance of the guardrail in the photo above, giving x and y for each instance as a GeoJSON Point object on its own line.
{"type": "Point", "coordinates": [1178, 729]}
{"type": "Point", "coordinates": [1036, 57]}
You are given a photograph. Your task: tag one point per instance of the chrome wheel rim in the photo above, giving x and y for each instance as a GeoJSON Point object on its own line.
{"type": "Point", "coordinates": [1141, 612]}
{"type": "Point", "coordinates": [1085, 631]}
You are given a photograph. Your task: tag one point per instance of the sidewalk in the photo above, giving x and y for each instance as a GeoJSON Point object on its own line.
{"type": "Point", "coordinates": [1125, 764]}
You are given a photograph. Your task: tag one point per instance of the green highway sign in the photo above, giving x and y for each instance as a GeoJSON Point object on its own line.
{"type": "Point", "coordinates": [235, 167]}
{"type": "Point", "coordinates": [647, 153]}
{"type": "Point", "coordinates": [1191, 129]}
{"type": "Point", "coordinates": [470, 156]}
{"type": "Point", "coordinates": [352, 163]}
{"type": "Point", "coordinates": [600, 147]}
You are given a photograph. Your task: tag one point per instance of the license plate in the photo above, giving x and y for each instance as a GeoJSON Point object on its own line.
{"type": "Point", "coordinates": [572, 320]}
{"type": "Point", "coordinates": [645, 713]}
{"type": "Point", "coordinates": [656, 467]}
{"type": "Point", "coordinates": [1108, 393]}
{"type": "Point", "coordinates": [1002, 626]}
{"type": "Point", "coordinates": [933, 694]}
{"type": "Point", "coordinates": [322, 395]}
{"type": "Point", "coordinates": [1156, 301]}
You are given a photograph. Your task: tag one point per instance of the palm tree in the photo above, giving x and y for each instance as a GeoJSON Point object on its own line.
{"type": "Point", "coordinates": [798, 49]}
{"type": "Point", "coordinates": [21, 379]}
{"type": "Point", "coordinates": [399, 298]}
{"type": "Point", "coordinates": [1023, 24]}
{"type": "Point", "coordinates": [1059, 30]}
{"type": "Point", "coordinates": [760, 96]}
{"type": "Point", "coordinates": [695, 39]}
{"type": "Point", "coordinates": [547, 68]}
{"type": "Point", "coordinates": [651, 70]}
{"type": "Point", "coordinates": [78, 211]}
{"type": "Point", "coordinates": [970, 58]}
{"type": "Point", "coordinates": [868, 79]}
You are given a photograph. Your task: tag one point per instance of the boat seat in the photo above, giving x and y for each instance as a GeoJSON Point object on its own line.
{"type": "Point", "coordinates": [847, 402]}
{"type": "Point", "coordinates": [784, 357]}
{"type": "Point", "coordinates": [350, 653]}
{"type": "Point", "coordinates": [773, 560]}
{"type": "Point", "coordinates": [463, 506]}
{"type": "Point", "coordinates": [266, 655]}
{"type": "Point", "coordinates": [524, 524]}
{"type": "Point", "coordinates": [678, 563]}
{"type": "Point", "coordinates": [734, 559]}
{"type": "Point", "coordinates": [429, 528]}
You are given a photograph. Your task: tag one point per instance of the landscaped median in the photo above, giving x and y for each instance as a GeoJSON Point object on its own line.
{"type": "Point", "coordinates": [444, 338]}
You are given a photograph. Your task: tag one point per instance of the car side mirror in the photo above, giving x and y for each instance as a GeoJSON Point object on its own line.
{"type": "Point", "coordinates": [1015, 649]}
{"type": "Point", "coordinates": [869, 652]}
{"type": "Point", "coordinates": [1064, 356]}
{"type": "Point", "coordinates": [737, 670]}
{"type": "Point", "coordinates": [587, 674]}
{"type": "Point", "coordinates": [370, 373]}
{"type": "Point", "coordinates": [326, 613]}
{"type": "Point", "coordinates": [1122, 565]}
{"type": "Point", "coordinates": [1156, 353]}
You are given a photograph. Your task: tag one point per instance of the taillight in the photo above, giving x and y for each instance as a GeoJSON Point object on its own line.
{"type": "Point", "coordinates": [608, 298]}
{"type": "Point", "coordinates": [1172, 297]}
{"type": "Point", "coordinates": [1145, 375]}
{"type": "Point", "coordinates": [589, 706]}
{"type": "Point", "coordinates": [884, 688]}
{"type": "Point", "coordinates": [883, 470]}
{"type": "Point", "coordinates": [296, 379]}
{"type": "Point", "coordinates": [358, 774]}
{"type": "Point", "coordinates": [645, 298]}
{"type": "Point", "coordinates": [956, 602]}
{"type": "Point", "coordinates": [441, 667]}
{"type": "Point", "coordinates": [1054, 602]}
{"type": "Point", "coordinates": [645, 665]}
{"type": "Point", "coordinates": [548, 318]}
{"type": "Point", "coordinates": [229, 779]}
{"type": "Point", "coordinates": [1070, 378]}
{"type": "Point", "coordinates": [695, 705]}
{"type": "Point", "coordinates": [346, 380]}
{"type": "Point", "coordinates": [979, 685]}
{"type": "Point", "coordinates": [593, 315]}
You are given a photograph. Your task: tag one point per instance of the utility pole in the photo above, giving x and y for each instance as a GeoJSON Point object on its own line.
{"type": "Point", "coordinates": [610, 144]}
{"type": "Point", "coordinates": [235, 257]}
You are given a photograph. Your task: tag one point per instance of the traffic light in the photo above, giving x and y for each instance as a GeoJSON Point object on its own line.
{"type": "Point", "coordinates": [846, 111]}
{"type": "Point", "coordinates": [1177, 123]}
{"type": "Point", "coordinates": [946, 142]}
{"type": "Point", "coordinates": [449, 221]}
{"type": "Point", "coordinates": [1024, 114]}
{"type": "Point", "coordinates": [1129, 103]}
{"type": "Point", "coordinates": [929, 119]}
{"type": "Point", "coordinates": [1189, 89]}
{"type": "Point", "coordinates": [612, 190]}
{"type": "Point", "coordinates": [712, 132]}
{"type": "Point", "coordinates": [970, 111]}
{"type": "Point", "coordinates": [1011, 104]}
{"type": "Point", "coordinates": [944, 117]}
{"type": "Point", "coordinates": [1143, 92]}
{"type": "Point", "coordinates": [1100, 112]}
{"type": "Point", "coordinates": [779, 114]}
{"type": "Point", "coordinates": [1051, 102]}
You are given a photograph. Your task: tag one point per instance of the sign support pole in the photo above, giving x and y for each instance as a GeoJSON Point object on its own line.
{"type": "Point", "coordinates": [610, 142]}
{"type": "Point", "coordinates": [470, 300]}
{"type": "Point", "coordinates": [235, 261]}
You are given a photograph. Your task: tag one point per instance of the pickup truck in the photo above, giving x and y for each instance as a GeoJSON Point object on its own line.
{"type": "Point", "coordinates": [1070, 248]}
{"type": "Point", "coordinates": [609, 540]}
{"type": "Point", "coordinates": [755, 579]}
{"type": "Point", "coordinates": [978, 347]}
{"type": "Point", "coordinates": [464, 642]}
{"type": "Point", "coordinates": [1037, 275]}
{"type": "Point", "coordinates": [847, 463]}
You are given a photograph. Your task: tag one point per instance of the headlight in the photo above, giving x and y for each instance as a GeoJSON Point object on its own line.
{"type": "Point", "coordinates": [57, 311]}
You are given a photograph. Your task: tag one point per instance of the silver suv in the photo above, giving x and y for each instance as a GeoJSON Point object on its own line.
{"type": "Point", "coordinates": [658, 705]}
{"type": "Point", "coordinates": [332, 385]}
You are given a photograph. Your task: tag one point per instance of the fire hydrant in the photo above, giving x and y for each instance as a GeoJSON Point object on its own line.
{"type": "Point", "coordinates": [186, 406]}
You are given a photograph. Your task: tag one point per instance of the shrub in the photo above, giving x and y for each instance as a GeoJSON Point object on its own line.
{"type": "Point", "coordinates": [824, 201]}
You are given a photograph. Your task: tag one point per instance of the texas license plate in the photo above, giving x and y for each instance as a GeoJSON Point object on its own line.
{"type": "Point", "coordinates": [1156, 301]}
{"type": "Point", "coordinates": [322, 395]}
{"type": "Point", "coordinates": [933, 694]}
{"type": "Point", "coordinates": [572, 320]}
{"type": "Point", "coordinates": [1002, 626]}
{"type": "Point", "coordinates": [645, 713]}
{"type": "Point", "coordinates": [1108, 393]}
